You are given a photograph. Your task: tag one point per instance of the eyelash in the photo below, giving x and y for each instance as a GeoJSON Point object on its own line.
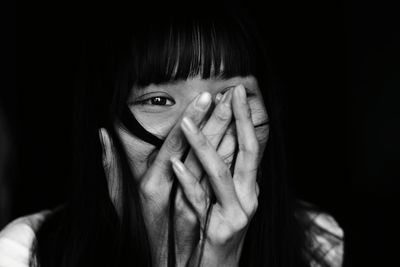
{"type": "Point", "coordinates": [148, 101]}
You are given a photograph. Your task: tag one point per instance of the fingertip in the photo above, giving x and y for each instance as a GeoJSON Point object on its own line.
{"type": "Point", "coordinates": [106, 141]}
{"type": "Point", "coordinates": [173, 159]}
{"type": "Point", "coordinates": [106, 147]}
{"type": "Point", "coordinates": [101, 133]}
{"type": "Point", "coordinates": [218, 98]}
{"type": "Point", "coordinates": [203, 101]}
{"type": "Point", "coordinates": [104, 138]}
{"type": "Point", "coordinates": [241, 107]}
{"type": "Point", "coordinates": [177, 165]}
{"type": "Point", "coordinates": [227, 96]}
{"type": "Point", "coordinates": [240, 92]}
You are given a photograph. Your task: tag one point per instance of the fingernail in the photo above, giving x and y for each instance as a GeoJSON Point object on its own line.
{"type": "Point", "coordinates": [240, 91]}
{"type": "Point", "coordinates": [188, 125]}
{"type": "Point", "coordinates": [203, 101]}
{"type": "Point", "coordinates": [218, 98]}
{"type": "Point", "coordinates": [177, 165]}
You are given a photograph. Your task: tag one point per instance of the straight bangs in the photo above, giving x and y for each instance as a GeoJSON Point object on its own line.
{"type": "Point", "coordinates": [173, 49]}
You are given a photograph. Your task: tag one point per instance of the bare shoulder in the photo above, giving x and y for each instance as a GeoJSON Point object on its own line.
{"type": "Point", "coordinates": [325, 237]}
{"type": "Point", "coordinates": [17, 237]}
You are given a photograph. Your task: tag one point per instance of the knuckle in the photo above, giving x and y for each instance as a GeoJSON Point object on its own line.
{"type": "Point", "coordinates": [229, 229]}
{"type": "Point", "coordinates": [175, 143]}
{"type": "Point", "coordinates": [195, 114]}
{"type": "Point", "coordinates": [190, 217]}
{"type": "Point", "coordinates": [223, 113]}
{"type": "Point", "coordinates": [251, 147]}
{"type": "Point", "coordinates": [228, 159]}
{"type": "Point", "coordinates": [147, 188]}
{"type": "Point", "coordinates": [253, 207]}
{"type": "Point", "coordinates": [223, 235]}
{"type": "Point", "coordinates": [202, 141]}
{"type": "Point", "coordinates": [254, 146]}
{"type": "Point", "coordinates": [247, 111]}
{"type": "Point", "coordinates": [185, 213]}
{"type": "Point", "coordinates": [245, 114]}
{"type": "Point", "coordinates": [202, 199]}
{"type": "Point", "coordinates": [187, 217]}
{"type": "Point", "coordinates": [239, 221]}
{"type": "Point", "coordinates": [240, 172]}
{"type": "Point", "coordinates": [223, 173]}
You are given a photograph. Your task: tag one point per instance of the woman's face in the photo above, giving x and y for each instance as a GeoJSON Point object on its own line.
{"type": "Point", "coordinates": [158, 108]}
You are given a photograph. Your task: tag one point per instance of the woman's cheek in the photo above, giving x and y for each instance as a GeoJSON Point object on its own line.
{"type": "Point", "coordinates": [158, 124]}
{"type": "Point", "coordinates": [139, 153]}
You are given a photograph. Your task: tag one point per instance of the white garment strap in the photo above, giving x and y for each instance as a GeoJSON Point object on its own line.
{"type": "Point", "coordinates": [16, 240]}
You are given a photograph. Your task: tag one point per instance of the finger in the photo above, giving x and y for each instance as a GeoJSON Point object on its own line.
{"type": "Point", "coordinates": [193, 190]}
{"type": "Point", "coordinates": [218, 172]}
{"type": "Point", "coordinates": [110, 166]}
{"type": "Point", "coordinates": [214, 129]}
{"type": "Point", "coordinates": [219, 120]}
{"type": "Point", "coordinates": [246, 164]}
{"type": "Point", "coordinates": [183, 208]}
{"type": "Point", "coordinates": [227, 146]}
{"type": "Point", "coordinates": [226, 150]}
{"type": "Point", "coordinates": [174, 144]}
{"type": "Point", "coordinates": [106, 147]}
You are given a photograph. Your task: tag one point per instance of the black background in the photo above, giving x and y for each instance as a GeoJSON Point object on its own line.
{"type": "Point", "coordinates": [338, 60]}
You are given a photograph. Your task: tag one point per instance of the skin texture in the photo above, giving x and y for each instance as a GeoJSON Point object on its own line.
{"type": "Point", "coordinates": [222, 114]}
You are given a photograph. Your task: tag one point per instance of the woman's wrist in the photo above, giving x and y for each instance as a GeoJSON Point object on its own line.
{"type": "Point", "coordinates": [218, 255]}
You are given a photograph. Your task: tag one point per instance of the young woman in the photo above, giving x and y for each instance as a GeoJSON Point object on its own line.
{"type": "Point", "coordinates": [181, 158]}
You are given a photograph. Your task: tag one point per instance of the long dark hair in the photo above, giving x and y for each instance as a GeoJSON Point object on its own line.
{"type": "Point", "coordinates": [126, 51]}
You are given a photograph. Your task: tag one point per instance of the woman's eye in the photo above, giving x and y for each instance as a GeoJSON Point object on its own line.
{"type": "Point", "coordinates": [157, 101]}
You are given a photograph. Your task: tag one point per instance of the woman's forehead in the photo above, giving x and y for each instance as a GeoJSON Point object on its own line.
{"type": "Point", "coordinates": [213, 49]}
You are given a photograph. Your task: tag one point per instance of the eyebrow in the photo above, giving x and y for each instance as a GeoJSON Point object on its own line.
{"type": "Point", "coordinates": [141, 88]}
